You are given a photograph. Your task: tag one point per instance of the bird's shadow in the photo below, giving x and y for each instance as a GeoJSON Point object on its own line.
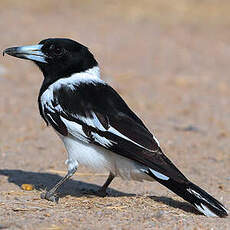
{"type": "Point", "coordinates": [45, 181]}
{"type": "Point", "coordinates": [185, 206]}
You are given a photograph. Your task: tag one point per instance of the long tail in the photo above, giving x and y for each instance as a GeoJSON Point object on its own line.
{"type": "Point", "coordinates": [190, 192]}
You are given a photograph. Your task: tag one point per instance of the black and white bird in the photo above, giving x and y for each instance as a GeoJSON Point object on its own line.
{"type": "Point", "coordinates": [97, 127]}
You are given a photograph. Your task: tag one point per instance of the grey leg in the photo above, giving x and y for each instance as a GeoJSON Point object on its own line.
{"type": "Point", "coordinates": [102, 190]}
{"type": "Point", "coordinates": [50, 195]}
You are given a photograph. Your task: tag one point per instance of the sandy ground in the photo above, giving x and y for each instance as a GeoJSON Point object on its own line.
{"type": "Point", "coordinates": [169, 61]}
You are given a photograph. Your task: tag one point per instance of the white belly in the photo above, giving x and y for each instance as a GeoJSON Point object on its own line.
{"type": "Point", "coordinates": [100, 159]}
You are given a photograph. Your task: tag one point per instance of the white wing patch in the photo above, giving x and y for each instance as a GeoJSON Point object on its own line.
{"type": "Point", "coordinates": [102, 140]}
{"type": "Point", "coordinates": [46, 100]}
{"type": "Point", "coordinates": [93, 122]}
{"type": "Point", "coordinates": [97, 123]}
{"type": "Point", "coordinates": [114, 131]}
{"type": "Point", "coordinates": [75, 129]}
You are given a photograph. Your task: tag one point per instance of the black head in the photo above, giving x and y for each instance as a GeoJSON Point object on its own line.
{"type": "Point", "coordinates": [56, 57]}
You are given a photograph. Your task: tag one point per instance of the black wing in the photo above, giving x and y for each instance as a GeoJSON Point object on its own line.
{"type": "Point", "coordinates": [107, 121]}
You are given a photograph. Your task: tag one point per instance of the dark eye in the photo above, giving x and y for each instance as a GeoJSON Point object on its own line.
{"type": "Point", "coordinates": [55, 50]}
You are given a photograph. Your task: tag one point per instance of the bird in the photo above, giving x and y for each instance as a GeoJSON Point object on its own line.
{"type": "Point", "coordinates": [98, 128]}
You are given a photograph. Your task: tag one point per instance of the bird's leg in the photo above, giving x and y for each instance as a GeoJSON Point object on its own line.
{"type": "Point", "coordinates": [50, 195]}
{"type": "Point", "coordinates": [102, 191]}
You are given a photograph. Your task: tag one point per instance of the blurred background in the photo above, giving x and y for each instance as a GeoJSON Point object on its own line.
{"type": "Point", "coordinates": [168, 59]}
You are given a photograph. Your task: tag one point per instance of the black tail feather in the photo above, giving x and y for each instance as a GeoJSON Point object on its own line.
{"type": "Point", "coordinates": [190, 192]}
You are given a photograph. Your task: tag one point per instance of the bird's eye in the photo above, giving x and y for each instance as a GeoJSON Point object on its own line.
{"type": "Point", "coordinates": [57, 51]}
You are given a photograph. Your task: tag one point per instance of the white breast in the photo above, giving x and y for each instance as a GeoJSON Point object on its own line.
{"type": "Point", "coordinates": [100, 159]}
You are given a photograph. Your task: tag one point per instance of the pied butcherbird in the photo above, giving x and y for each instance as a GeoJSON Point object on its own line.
{"type": "Point", "coordinates": [97, 127]}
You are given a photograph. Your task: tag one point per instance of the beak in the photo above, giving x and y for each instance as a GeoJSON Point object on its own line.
{"type": "Point", "coordinates": [33, 53]}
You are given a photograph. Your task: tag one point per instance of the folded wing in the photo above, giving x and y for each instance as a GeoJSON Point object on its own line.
{"type": "Point", "coordinates": [95, 113]}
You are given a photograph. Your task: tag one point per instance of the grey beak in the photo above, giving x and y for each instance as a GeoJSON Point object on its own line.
{"type": "Point", "coordinates": [33, 53]}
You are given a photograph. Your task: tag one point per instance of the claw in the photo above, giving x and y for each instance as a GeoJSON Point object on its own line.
{"type": "Point", "coordinates": [49, 196]}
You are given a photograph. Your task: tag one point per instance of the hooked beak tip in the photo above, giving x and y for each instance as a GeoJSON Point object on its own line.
{"type": "Point", "coordinates": [4, 52]}
{"type": "Point", "coordinates": [10, 51]}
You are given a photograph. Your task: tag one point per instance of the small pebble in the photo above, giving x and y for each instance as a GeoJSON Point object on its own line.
{"type": "Point", "coordinates": [47, 214]}
{"type": "Point", "coordinates": [221, 187]}
{"type": "Point", "coordinates": [27, 187]}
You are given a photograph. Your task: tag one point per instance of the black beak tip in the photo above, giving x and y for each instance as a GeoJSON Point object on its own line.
{"type": "Point", "coordinates": [13, 51]}
{"type": "Point", "coordinates": [6, 51]}
{"type": "Point", "coordinates": [3, 52]}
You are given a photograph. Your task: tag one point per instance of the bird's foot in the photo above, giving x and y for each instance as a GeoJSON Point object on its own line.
{"type": "Point", "coordinates": [49, 196]}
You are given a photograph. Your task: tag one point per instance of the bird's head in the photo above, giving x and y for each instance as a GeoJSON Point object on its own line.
{"type": "Point", "coordinates": [56, 57]}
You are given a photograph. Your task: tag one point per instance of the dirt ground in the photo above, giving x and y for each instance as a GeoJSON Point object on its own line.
{"type": "Point", "coordinates": [170, 62]}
